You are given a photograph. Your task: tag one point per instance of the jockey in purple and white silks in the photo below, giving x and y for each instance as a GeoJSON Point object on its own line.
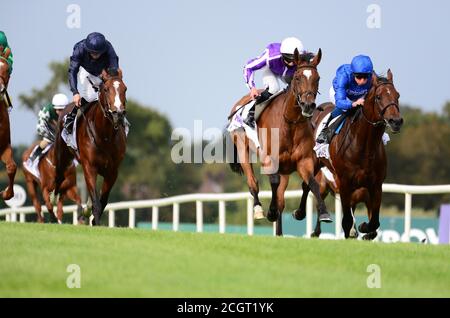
{"type": "Point", "coordinates": [276, 63]}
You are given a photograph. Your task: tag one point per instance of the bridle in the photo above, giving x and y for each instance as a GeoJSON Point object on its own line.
{"type": "Point", "coordinates": [108, 113]}
{"type": "Point", "coordinates": [300, 97]}
{"type": "Point", "coordinates": [383, 121]}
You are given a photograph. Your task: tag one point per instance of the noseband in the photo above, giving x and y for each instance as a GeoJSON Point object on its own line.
{"type": "Point", "coordinates": [300, 97]}
{"type": "Point", "coordinates": [381, 122]}
{"type": "Point", "coordinates": [108, 113]}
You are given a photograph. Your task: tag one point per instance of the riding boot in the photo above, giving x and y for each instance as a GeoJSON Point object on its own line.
{"type": "Point", "coordinates": [250, 120]}
{"type": "Point", "coordinates": [36, 154]}
{"type": "Point", "coordinates": [324, 134]}
{"type": "Point", "coordinates": [70, 117]}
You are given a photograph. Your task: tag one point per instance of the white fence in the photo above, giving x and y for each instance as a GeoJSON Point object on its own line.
{"type": "Point", "coordinates": [222, 198]}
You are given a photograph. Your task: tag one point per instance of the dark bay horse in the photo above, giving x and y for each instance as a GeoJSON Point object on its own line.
{"type": "Point", "coordinates": [101, 141]}
{"type": "Point", "coordinates": [357, 156]}
{"type": "Point", "coordinates": [47, 171]}
{"type": "Point", "coordinates": [6, 152]}
{"type": "Point", "coordinates": [289, 115]}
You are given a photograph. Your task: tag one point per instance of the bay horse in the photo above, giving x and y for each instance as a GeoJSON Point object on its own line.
{"type": "Point", "coordinates": [46, 182]}
{"type": "Point", "coordinates": [358, 158]}
{"type": "Point", "coordinates": [289, 114]}
{"type": "Point", "coordinates": [6, 152]}
{"type": "Point", "coordinates": [101, 140]}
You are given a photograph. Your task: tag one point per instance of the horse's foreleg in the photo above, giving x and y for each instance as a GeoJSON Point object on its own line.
{"type": "Point", "coordinates": [373, 210]}
{"type": "Point", "coordinates": [305, 169]}
{"type": "Point", "coordinates": [272, 215]}
{"type": "Point", "coordinates": [300, 213]}
{"type": "Point", "coordinates": [347, 215]}
{"type": "Point", "coordinates": [90, 176]}
{"type": "Point", "coordinates": [108, 183]}
{"type": "Point", "coordinates": [11, 168]}
{"type": "Point", "coordinates": [49, 205]}
{"type": "Point", "coordinates": [283, 183]}
{"type": "Point", "coordinates": [73, 195]}
{"type": "Point", "coordinates": [32, 191]}
{"type": "Point", "coordinates": [59, 209]}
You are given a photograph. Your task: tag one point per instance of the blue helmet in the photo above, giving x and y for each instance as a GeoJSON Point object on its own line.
{"type": "Point", "coordinates": [362, 64]}
{"type": "Point", "coordinates": [96, 43]}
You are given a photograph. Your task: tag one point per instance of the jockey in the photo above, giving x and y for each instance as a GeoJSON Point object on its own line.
{"type": "Point", "coordinates": [277, 62]}
{"type": "Point", "coordinates": [4, 44]}
{"type": "Point", "coordinates": [46, 127]}
{"type": "Point", "coordinates": [89, 58]}
{"type": "Point", "coordinates": [351, 84]}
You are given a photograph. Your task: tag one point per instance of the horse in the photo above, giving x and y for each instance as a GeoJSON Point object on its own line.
{"type": "Point", "coordinates": [47, 172]}
{"type": "Point", "coordinates": [101, 140]}
{"type": "Point", "coordinates": [6, 152]}
{"type": "Point", "coordinates": [357, 156]}
{"type": "Point", "coordinates": [290, 114]}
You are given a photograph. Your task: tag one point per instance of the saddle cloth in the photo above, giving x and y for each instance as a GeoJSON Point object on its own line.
{"type": "Point", "coordinates": [322, 150]}
{"type": "Point", "coordinates": [33, 166]}
{"type": "Point", "coordinates": [237, 120]}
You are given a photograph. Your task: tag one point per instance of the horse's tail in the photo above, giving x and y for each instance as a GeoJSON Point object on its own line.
{"type": "Point", "coordinates": [231, 154]}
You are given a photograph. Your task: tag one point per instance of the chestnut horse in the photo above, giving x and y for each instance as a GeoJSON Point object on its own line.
{"type": "Point", "coordinates": [357, 156]}
{"type": "Point", "coordinates": [288, 114]}
{"type": "Point", "coordinates": [101, 140]}
{"type": "Point", "coordinates": [6, 152]}
{"type": "Point", "coordinates": [47, 172]}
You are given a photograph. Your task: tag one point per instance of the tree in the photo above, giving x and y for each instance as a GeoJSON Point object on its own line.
{"type": "Point", "coordinates": [39, 97]}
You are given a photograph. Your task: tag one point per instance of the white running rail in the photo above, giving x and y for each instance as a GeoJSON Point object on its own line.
{"type": "Point", "coordinates": [222, 198]}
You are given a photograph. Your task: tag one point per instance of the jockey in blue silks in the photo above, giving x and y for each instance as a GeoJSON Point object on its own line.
{"type": "Point", "coordinates": [351, 85]}
{"type": "Point", "coordinates": [277, 63]}
{"type": "Point", "coordinates": [89, 58]}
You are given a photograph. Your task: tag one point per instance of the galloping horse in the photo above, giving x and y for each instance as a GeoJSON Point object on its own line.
{"type": "Point", "coordinates": [101, 140]}
{"type": "Point", "coordinates": [357, 156]}
{"type": "Point", "coordinates": [289, 113]}
{"type": "Point", "coordinates": [47, 172]}
{"type": "Point", "coordinates": [6, 153]}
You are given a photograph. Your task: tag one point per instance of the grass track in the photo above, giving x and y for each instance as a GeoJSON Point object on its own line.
{"type": "Point", "coordinates": [139, 263]}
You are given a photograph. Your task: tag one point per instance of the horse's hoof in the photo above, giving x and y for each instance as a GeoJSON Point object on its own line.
{"type": "Point", "coordinates": [325, 217]}
{"type": "Point", "coordinates": [370, 236]}
{"type": "Point", "coordinates": [299, 215]}
{"type": "Point", "coordinates": [258, 213]}
{"type": "Point", "coordinates": [353, 234]}
{"type": "Point", "coordinates": [315, 235]}
{"type": "Point", "coordinates": [272, 216]}
{"type": "Point", "coordinates": [7, 194]}
{"type": "Point", "coordinates": [363, 227]}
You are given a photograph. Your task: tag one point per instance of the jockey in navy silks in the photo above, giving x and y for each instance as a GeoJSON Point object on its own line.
{"type": "Point", "coordinates": [351, 85]}
{"type": "Point", "coordinates": [277, 62]}
{"type": "Point", "coordinates": [89, 58]}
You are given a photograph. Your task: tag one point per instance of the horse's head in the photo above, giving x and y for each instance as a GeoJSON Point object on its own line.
{"type": "Point", "coordinates": [113, 96]}
{"type": "Point", "coordinates": [305, 83]}
{"type": "Point", "coordinates": [4, 69]}
{"type": "Point", "coordinates": [386, 106]}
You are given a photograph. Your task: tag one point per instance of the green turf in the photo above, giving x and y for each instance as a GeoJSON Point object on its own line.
{"type": "Point", "coordinates": [142, 263]}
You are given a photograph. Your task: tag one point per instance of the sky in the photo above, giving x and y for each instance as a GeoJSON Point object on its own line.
{"type": "Point", "coordinates": [185, 58]}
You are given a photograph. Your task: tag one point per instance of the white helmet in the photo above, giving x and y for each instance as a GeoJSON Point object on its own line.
{"type": "Point", "coordinates": [59, 101]}
{"type": "Point", "coordinates": [289, 45]}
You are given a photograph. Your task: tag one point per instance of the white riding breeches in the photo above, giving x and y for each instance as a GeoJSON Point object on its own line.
{"type": "Point", "coordinates": [332, 93]}
{"type": "Point", "coordinates": [270, 81]}
{"type": "Point", "coordinates": [85, 87]}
